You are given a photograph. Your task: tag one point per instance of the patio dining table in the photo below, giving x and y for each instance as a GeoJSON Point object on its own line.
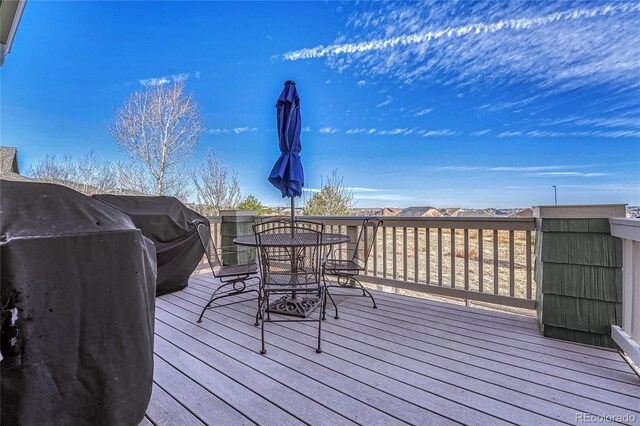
{"type": "Point", "coordinates": [293, 305]}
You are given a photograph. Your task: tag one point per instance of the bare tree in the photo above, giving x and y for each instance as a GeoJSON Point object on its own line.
{"type": "Point", "coordinates": [88, 175]}
{"type": "Point", "coordinates": [216, 186]}
{"type": "Point", "coordinates": [94, 174]}
{"type": "Point", "coordinates": [159, 127]}
{"type": "Point", "coordinates": [53, 169]}
{"type": "Point", "coordinates": [333, 199]}
{"type": "Point", "coordinates": [132, 178]}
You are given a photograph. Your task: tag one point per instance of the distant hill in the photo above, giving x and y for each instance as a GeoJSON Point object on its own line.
{"type": "Point", "coordinates": [429, 211]}
{"type": "Point", "coordinates": [423, 211]}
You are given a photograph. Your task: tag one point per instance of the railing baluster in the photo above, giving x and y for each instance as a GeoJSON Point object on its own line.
{"type": "Point", "coordinates": [512, 266]}
{"type": "Point", "coordinates": [427, 237]}
{"type": "Point", "coordinates": [364, 230]}
{"type": "Point", "coordinates": [395, 253]}
{"type": "Point", "coordinates": [384, 252]}
{"type": "Point", "coordinates": [453, 258]}
{"type": "Point", "coordinates": [528, 260]}
{"type": "Point", "coordinates": [466, 259]}
{"type": "Point", "coordinates": [480, 261]}
{"type": "Point", "coordinates": [495, 261]}
{"type": "Point", "coordinates": [415, 255]}
{"type": "Point", "coordinates": [404, 252]}
{"type": "Point", "coordinates": [341, 252]}
{"type": "Point", "coordinates": [440, 256]}
{"type": "Point", "coordinates": [375, 255]}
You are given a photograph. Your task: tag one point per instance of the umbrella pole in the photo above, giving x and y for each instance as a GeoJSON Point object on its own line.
{"type": "Point", "coordinates": [293, 204]}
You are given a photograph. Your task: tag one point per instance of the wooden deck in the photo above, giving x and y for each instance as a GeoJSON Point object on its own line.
{"type": "Point", "coordinates": [409, 361]}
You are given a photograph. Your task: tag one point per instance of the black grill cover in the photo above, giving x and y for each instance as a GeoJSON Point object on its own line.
{"type": "Point", "coordinates": [169, 224]}
{"type": "Point", "coordinates": [78, 282]}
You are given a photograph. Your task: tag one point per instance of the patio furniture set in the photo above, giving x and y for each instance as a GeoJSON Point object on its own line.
{"type": "Point", "coordinates": [293, 270]}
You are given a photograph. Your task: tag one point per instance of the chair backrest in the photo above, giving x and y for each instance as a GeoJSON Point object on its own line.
{"type": "Point", "coordinates": [365, 241]}
{"type": "Point", "coordinates": [209, 245]}
{"type": "Point", "coordinates": [282, 222]}
{"type": "Point", "coordinates": [290, 254]}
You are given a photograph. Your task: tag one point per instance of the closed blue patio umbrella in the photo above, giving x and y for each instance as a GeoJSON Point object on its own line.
{"type": "Point", "coordinates": [287, 174]}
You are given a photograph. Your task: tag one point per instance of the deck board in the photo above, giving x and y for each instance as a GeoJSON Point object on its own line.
{"type": "Point", "coordinates": [292, 355]}
{"type": "Point", "coordinates": [166, 411]}
{"type": "Point", "coordinates": [411, 361]}
{"type": "Point", "coordinates": [446, 378]}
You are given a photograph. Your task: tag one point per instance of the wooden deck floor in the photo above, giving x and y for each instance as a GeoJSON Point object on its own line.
{"type": "Point", "coordinates": [409, 361]}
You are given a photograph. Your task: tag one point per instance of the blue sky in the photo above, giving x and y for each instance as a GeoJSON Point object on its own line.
{"type": "Point", "coordinates": [446, 104]}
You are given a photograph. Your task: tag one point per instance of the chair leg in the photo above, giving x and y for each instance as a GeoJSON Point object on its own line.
{"type": "Point", "coordinates": [220, 295]}
{"type": "Point", "coordinates": [259, 308]}
{"type": "Point", "coordinates": [322, 297]}
{"type": "Point", "coordinates": [332, 301]}
{"type": "Point", "coordinates": [324, 305]}
{"type": "Point", "coordinates": [211, 300]}
{"type": "Point", "coordinates": [263, 308]}
{"type": "Point", "coordinates": [203, 311]}
{"type": "Point", "coordinates": [366, 292]}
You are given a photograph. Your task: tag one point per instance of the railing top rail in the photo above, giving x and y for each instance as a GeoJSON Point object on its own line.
{"type": "Point", "coordinates": [498, 223]}
{"type": "Point", "coordinates": [493, 222]}
{"type": "Point", "coordinates": [625, 228]}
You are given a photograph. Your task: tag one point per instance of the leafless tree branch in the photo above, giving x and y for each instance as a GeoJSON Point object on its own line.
{"type": "Point", "coordinates": [160, 128]}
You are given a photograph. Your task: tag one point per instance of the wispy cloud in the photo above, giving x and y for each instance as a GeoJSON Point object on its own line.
{"type": "Point", "coordinates": [159, 81]}
{"type": "Point", "coordinates": [568, 174]}
{"type": "Point", "coordinates": [361, 189]}
{"type": "Point", "coordinates": [431, 133]}
{"type": "Point", "coordinates": [612, 134]}
{"type": "Point", "coordinates": [509, 134]}
{"type": "Point", "coordinates": [611, 122]}
{"type": "Point", "coordinates": [537, 168]}
{"type": "Point", "coordinates": [458, 168]}
{"type": "Point", "coordinates": [328, 130]}
{"type": "Point", "coordinates": [392, 132]}
{"type": "Point", "coordinates": [235, 130]}
{"type": "Point", "coordinates": [387, 101]}
{"type": "Point", "coordinates": [381, 197]}
{"type": "Point", "coordinates": [462, 31]}
{"type": "Point", "coordinates": [550, 46]}
{"type": "Point", "coordinates": [362, 83]}
{"type": "Point", "coordinates": [480, 132]}
{"type": "Point", "coordinates": [422, 112]}
{"type": "Point", "coordinates": [375, 194]}
{"type": "Point", "coordinates": [218, 131]}
{"type": "Point", "coordinates": [536, 171]}
{"type": "Point", "coordinates": [238, 130]}
{"type": "Point", "coordinates": [404, 131]}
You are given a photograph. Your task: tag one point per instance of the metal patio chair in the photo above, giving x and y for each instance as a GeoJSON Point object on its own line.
{"type": "Point", "coordinates": [233, 278]}
{"type": "Point", "coordinates": [290, 259]}
{"type": "Point", "coordinates": [282, 224]}
{"type": "Point", "coordinates": [355, 262]}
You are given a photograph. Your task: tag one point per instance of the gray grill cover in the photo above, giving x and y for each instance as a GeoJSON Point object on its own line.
{"type": "Point", "coordinates": [78, 283]}
{"type": "Point", "coordinates": [169, 224]}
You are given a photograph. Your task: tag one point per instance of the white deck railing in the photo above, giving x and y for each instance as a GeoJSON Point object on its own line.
{"type": "Point", "coordinates": [628, 336]}
{"type": "Point", "coordinates": [485, 259]}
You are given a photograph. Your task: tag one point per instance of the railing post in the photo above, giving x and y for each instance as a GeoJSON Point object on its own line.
{"type": "Point", "coordinates": [627, 337]}
{"type": "Point", "coordinates": [577, 272]}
